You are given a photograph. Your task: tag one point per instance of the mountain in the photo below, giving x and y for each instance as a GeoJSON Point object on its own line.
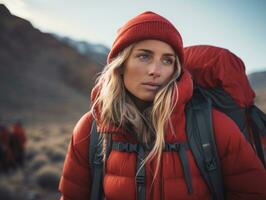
{"type": "Point", "coordinates": [258, 80]}
{"type": "Point", "coordinates": [97, 52]}
{"type": "Point", "coordinates": [258, 83]}
{"type": "Point", "coordinates": [42, 79]}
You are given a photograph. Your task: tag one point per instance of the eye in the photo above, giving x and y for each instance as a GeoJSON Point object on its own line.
{"type": "Point", "coordinates": [143, 56]}
{"type": "Point", "coordinates": [168, 61]}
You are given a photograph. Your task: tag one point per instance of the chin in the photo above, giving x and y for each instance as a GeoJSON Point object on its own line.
{"type": "Point", "coordinates": [146, 98]}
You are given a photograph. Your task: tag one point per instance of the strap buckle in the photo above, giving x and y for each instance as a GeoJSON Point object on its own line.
{"type": "Point", "coordinates": [172, 147]}
{"type": "Point", "coordinates": [127, 147]}
{"type": "Point", "coordinates": [140, 180]}
{"type": "Point", "coordinates": [211, 164]}
{"type": "Point", "coordinates": [98, 158]}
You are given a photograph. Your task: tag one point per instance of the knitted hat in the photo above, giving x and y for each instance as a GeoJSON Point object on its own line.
{"type": "Point", "coordinates": [147, 25]}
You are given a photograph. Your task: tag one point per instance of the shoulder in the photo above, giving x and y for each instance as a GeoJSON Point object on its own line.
{"type": "Point", "coordinates": [82, 128]}
{"type": "Point", "coordinates": [78, 148]}
{"type": "Point", "coordinates": [75, 180]}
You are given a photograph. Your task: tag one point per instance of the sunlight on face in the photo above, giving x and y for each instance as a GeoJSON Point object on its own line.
{"type": "Point", "coordinates": [149, 67]}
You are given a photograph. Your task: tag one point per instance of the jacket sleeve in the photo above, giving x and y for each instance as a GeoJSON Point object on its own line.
{"type": "Point", "coordinates": [76, 178]}
{"type": "Point", "coordinates": [243, 173]}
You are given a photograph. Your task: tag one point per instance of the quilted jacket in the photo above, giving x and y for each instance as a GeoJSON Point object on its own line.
{"type": "Point", "coordinates": [243, 173]}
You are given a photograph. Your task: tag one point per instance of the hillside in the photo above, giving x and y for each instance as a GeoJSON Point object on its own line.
{"type": "Point", "coordinates": [42, 79]}
{"type": "Point", "coordinates": [258, 83]}
{"type": "Point", "coordinates": [258, 80]}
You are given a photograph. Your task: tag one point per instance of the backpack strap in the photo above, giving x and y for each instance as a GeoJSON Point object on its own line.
{"type": "Point", "coordinates": [96, 163]}
{"type": "Point", "coordinates": [224, 102]}
{"type": "Point", "coordinates": [181, 149]}
{"type": "Point", "coordinates": [202, 143]}
{"type": "Point", "coordinates": [258, 119]}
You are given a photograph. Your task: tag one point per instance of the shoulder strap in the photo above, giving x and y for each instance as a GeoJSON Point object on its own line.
{"type": "Point", "coordinates": [96, 164]}
{"type": "Point", "coordinates": [224, 102]}
{"type": "Point", "coordinates": [94, 141]}
{"type": "Point", "coordinates": [258, 119]}
{"type": "Point", "coordinates": [202, 143]}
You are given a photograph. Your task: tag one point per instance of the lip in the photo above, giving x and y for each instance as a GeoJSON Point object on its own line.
{"type": "Point", "coordinates": [151, 85]}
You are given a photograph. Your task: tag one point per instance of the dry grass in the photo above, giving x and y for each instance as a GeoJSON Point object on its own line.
{"type": "Point", "coordinates": [45, 153]}
{"type": "Point", "coordinates": [38, 162]}
{"type": "Point", "coordinates": [56, 155]}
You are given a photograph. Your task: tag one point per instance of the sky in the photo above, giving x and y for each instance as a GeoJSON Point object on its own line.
{"type": "Point", "coordinates": [237, 25]}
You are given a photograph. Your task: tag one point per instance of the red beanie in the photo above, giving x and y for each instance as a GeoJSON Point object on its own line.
{"type": "Point", "coordinates": [147, 25]}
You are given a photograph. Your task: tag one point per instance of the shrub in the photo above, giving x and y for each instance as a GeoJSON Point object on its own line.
{"type": "Point", "coordinates": [56, 155]}
{"type": "Point", "coordinates": [38, 162]}
{"type": "Point", "coordinates": [48, 178]}
{"type": "Point", "coordinates": [5, 192]}
{"type": "Point", "coordinates": [31, 152]}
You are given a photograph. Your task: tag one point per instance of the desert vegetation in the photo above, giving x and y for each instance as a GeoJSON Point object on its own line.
{"type": "Point", "coordinates": [45, 153]}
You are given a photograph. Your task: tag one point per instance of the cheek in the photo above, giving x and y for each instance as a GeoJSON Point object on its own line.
{"type": "Point", "coordinates": [127, 82]}
{"type": "Point", "coordinates": [132, 78]}
{"type": "Point", "coordinates": [132, 75]}
{"type": "Point", "coordinates": [131, 84]}
{"type": "Point", "coordinates": [128, 79]}
{"type": "Point", "coordinates": [168, 74]}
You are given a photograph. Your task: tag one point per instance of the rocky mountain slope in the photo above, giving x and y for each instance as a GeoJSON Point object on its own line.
{"type": "Point", "coordinates": [41, 77]}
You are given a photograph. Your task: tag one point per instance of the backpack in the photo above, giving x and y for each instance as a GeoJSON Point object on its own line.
{"type": "Point", "coordinates": [199, 124]}
{"type": "Point", "coordinates": [222, 75]}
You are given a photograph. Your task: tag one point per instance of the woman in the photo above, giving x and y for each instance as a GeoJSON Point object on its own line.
{"type": "Point", "coordinates": [140, 98]}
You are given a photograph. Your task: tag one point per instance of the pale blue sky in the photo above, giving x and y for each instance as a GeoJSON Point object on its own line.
{"type": "Point", "coordinates": [238, 25]}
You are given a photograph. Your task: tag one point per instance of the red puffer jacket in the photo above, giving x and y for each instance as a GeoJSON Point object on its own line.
{"type": "Point", "coordinates": [244, 175]}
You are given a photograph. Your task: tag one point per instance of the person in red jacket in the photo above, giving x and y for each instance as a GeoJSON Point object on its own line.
{"type": "Point", "coordinates": [140, 98]}
{"type": "Point", "coordinates": [6, 155]}
{"type": "Point", "coordinates": [18, 142]}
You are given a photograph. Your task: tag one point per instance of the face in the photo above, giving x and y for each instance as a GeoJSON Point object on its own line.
{"type": "Point", "coordinates": [149, 67]}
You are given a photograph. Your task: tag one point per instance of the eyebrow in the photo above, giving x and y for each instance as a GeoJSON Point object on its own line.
{"type": "Point", "coordinates": [151, 52]}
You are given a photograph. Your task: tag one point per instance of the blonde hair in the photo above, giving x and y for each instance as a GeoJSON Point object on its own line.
{"type": "Point", "coordinates": [116, 107]}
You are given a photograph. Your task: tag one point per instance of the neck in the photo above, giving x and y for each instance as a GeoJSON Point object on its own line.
{"type": "Point", "coordinates": [140, 104]}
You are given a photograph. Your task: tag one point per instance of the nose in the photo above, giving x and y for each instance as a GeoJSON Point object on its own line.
{"type": "Point", "coordinates": [155, 69]}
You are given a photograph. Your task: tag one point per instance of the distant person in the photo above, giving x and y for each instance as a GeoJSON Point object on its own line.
{"type": "Point", "coordinates": [18, 143]}
{"type": "Point", "coordinates": [138, 105]}
{"type": "Point", "coordinates": [6, 155]}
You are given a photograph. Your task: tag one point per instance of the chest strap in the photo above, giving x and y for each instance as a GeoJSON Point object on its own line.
{"type": "Point", "coordinates": [180, 148]}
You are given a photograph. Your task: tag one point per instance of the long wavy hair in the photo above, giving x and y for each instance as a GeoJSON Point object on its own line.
{"type": "Point", "coordinates": [117, 108]}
